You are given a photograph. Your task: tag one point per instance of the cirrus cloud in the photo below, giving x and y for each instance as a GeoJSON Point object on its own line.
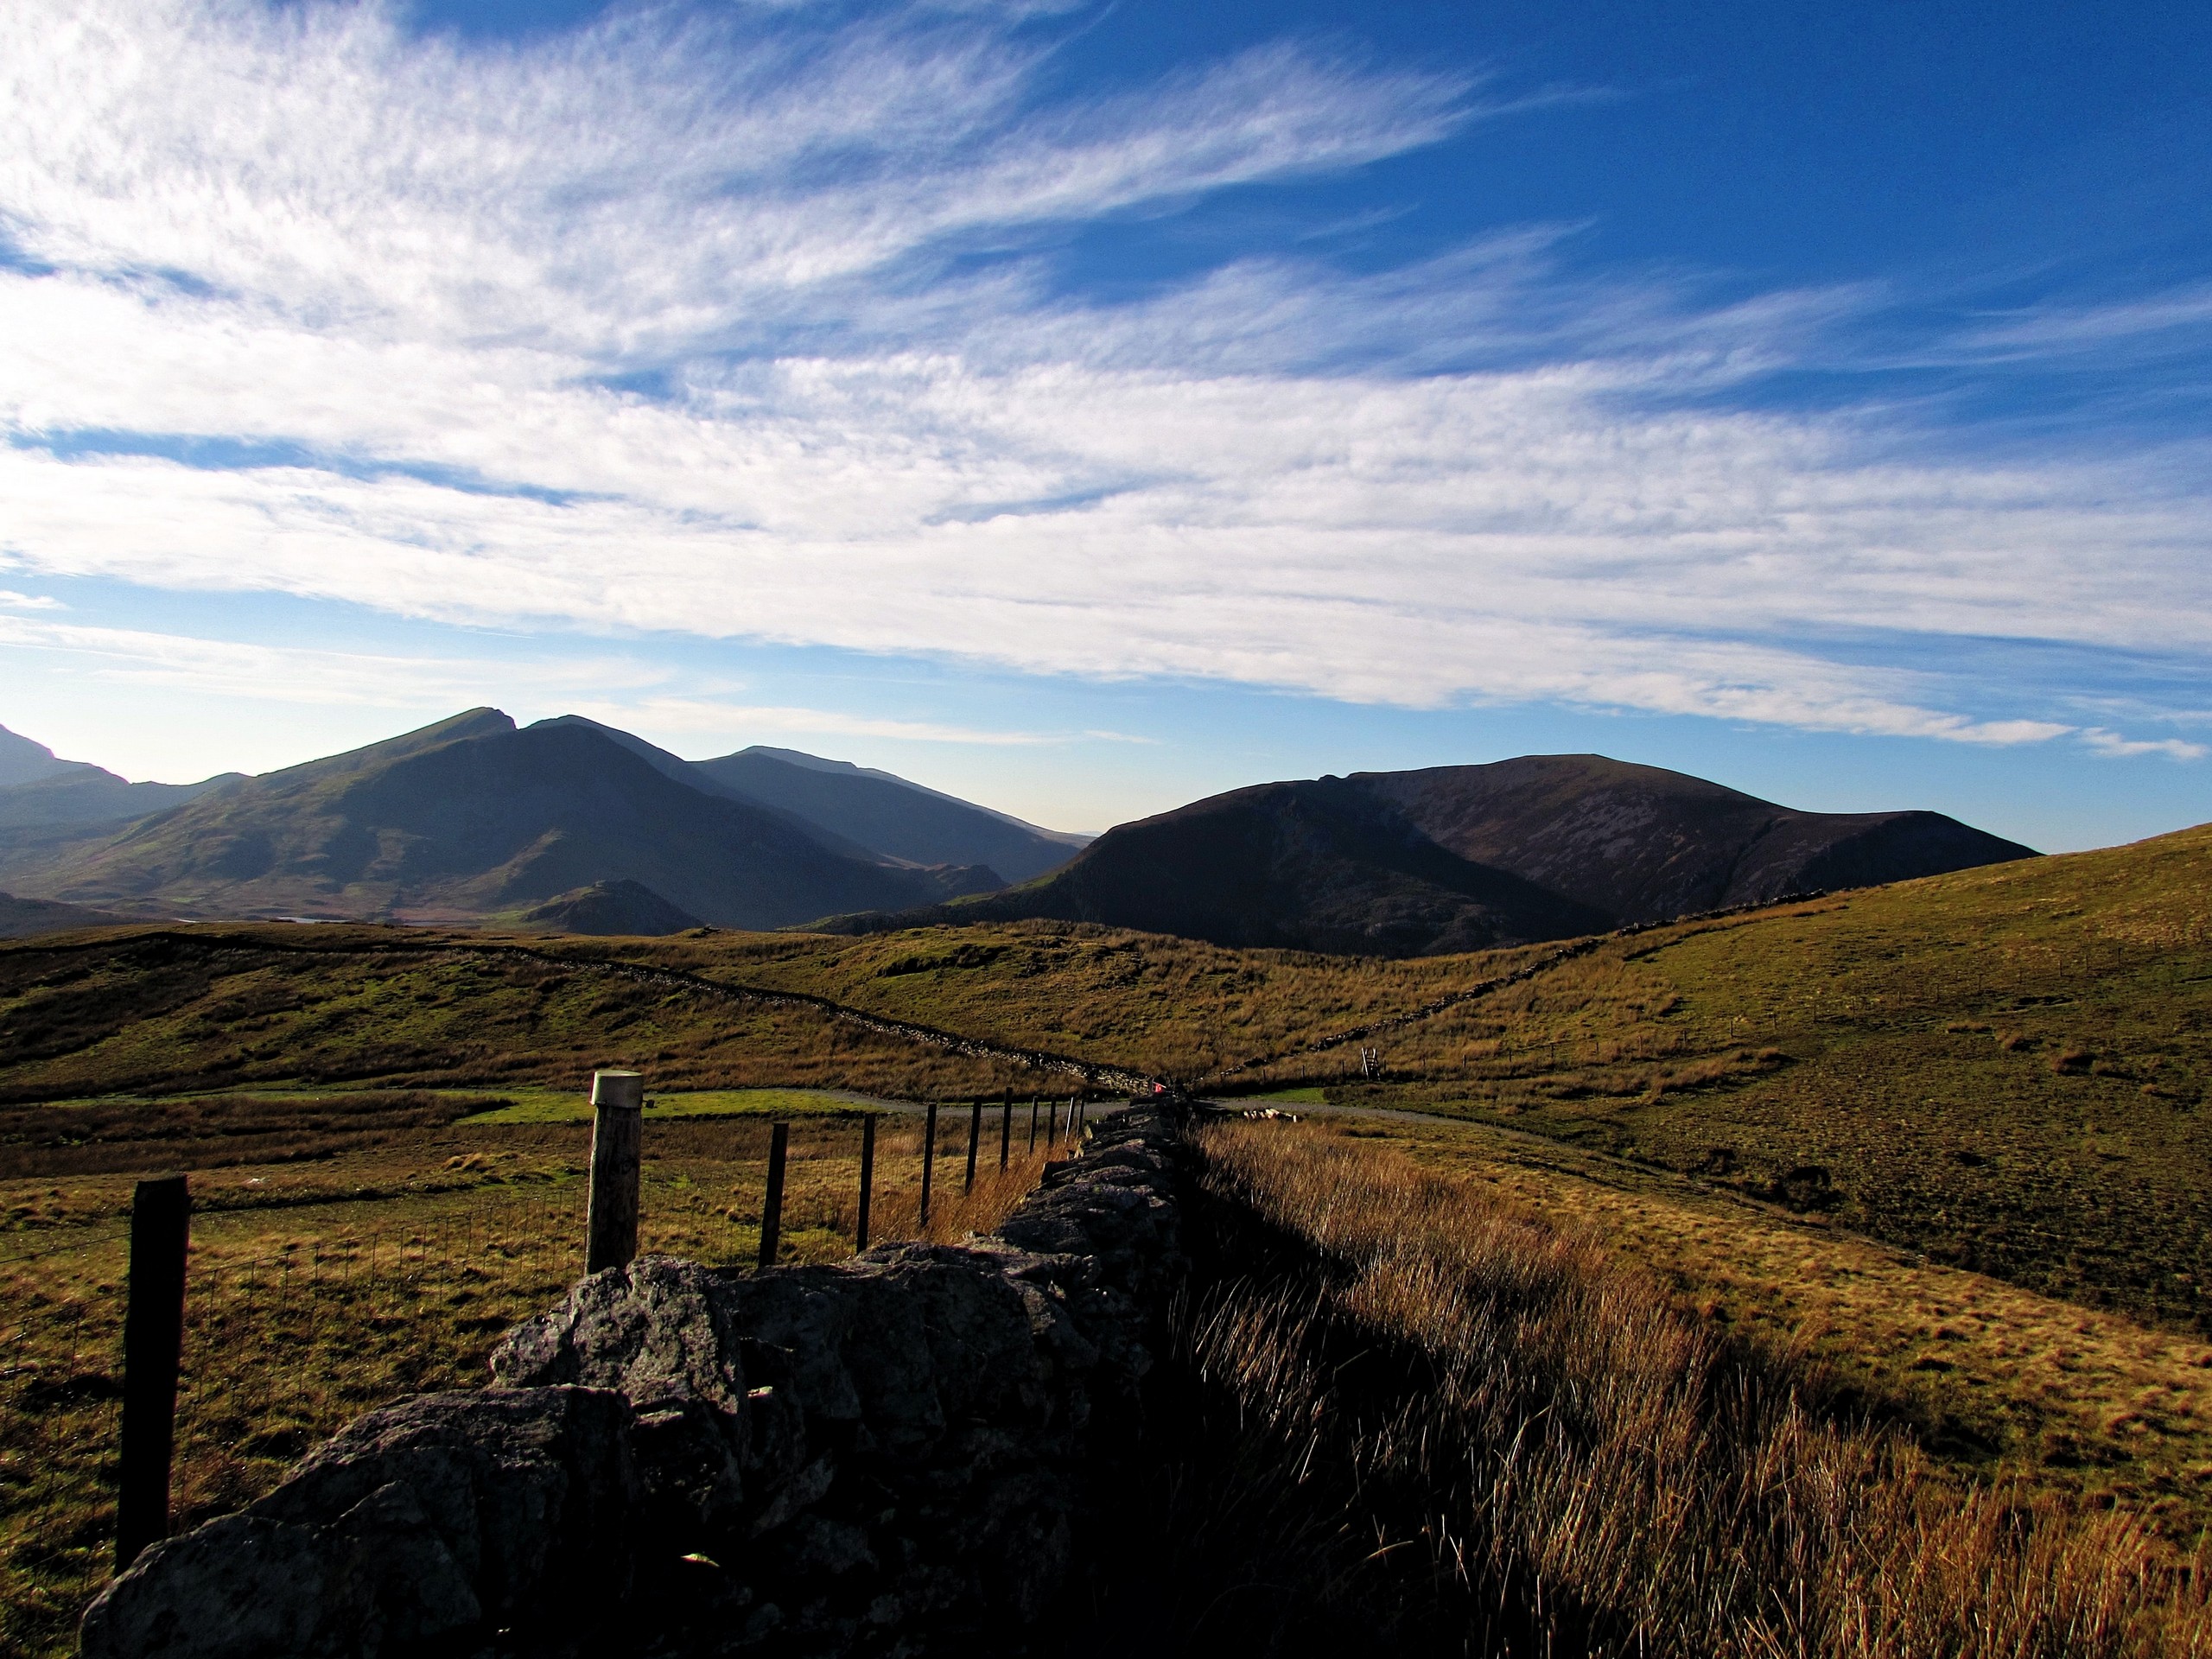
{"type": "Point", "coordinates": [730, 327]}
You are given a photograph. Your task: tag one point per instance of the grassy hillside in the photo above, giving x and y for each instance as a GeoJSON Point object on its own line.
{"type": "Point", "coordinates": [1986, 1375]}
{"type": "Point", "coordinates": [2007, 1069]}
{"type": "Point", "coordinates": [1948, 1139]}
{"type": "Point", "coordinates": [215, 1008]}
{"type": "Point", "coordinates": [2004, 1068]}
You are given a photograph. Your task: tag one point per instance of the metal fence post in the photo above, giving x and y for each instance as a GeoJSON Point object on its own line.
{"type": "Point", "coordinates": [617, 1135]}
{"type": "Point", "coordinates": [772, 1210]}
{"type": "Point", "coordinates": [929, 1160]}
{"type": "Point", "coordinates": [153, 1352]}
{"type": "Point", "coordinates": [867, 1180]}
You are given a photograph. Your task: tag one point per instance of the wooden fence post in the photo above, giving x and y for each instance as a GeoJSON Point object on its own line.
{"type": "Point", "coordinates": [1052, 1126]}
{"type": "Point", "coordinates": [929, 1163]}
{"type": "Point", "coordinates": [975, 1133]}
{"type": "Point", "coordinates": [1033, 1123]}
{"type": "Point", "coordinates": [867, 1180]}
{"type": "Point", "coordinates": [772, 1210]}
{"type": "Point", "coordinates": [153, 1351]}
{"type": "Point", "coordinates": [1005, 1127]}
{"type": "Point", "coordinates": [617, 1136]}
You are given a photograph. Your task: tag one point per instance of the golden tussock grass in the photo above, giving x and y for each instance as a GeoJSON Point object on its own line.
{"type": "Point", "coordinates": [320, 1288]}
{"type": "Point", "coordinates": [1528, 1446]}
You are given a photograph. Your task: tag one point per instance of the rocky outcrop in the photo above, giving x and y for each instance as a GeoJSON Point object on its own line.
{"type": "Point", "coordinates": [890, 1455]}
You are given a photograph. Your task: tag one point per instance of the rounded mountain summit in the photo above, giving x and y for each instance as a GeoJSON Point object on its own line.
{"type": "Point", "coordinates": [1465, 858]}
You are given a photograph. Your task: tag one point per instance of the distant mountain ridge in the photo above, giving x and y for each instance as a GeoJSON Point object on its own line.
{"type": "Point", "coordinates": [38, 790]}
{"type": "Point", "coordinates": [893, 817]}
{"type": "Point", "coordinates": [475, 818]}
{"type": "Point", "coordinates": [1460, 858]}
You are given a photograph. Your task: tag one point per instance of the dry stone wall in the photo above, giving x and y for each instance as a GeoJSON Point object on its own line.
{"type": "Point", "coordinates": [889, 1456]}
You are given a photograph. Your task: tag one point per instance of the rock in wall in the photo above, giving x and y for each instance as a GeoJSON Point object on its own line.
{"type": "Point", "coordinates": [888, 1456]}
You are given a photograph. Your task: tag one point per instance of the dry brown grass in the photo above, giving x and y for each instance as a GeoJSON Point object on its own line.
{"type": "Point", "coordinates": [320, 1288]}
{"type": "Point", "coordinates": [1986, 1374]}
{"type": "Point", "coordinates": [1530, 1447]}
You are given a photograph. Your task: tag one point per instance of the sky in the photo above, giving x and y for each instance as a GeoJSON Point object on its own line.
{"type": "Point", "coordinates": [1084, 407]}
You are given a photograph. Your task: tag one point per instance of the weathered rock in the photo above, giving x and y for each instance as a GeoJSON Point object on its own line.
{"type": "Point", "coordinates": [437, 1517]}
{"type": "Point", "coordinates": [888, 1455]}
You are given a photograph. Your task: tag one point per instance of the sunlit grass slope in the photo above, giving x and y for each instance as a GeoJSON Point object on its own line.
{"type": "Point", "coordinates": [1437, 1415]}
{"type": "Point", "coordinates": [1986, 1375]}
{"type": "Point", "coordinates": [217, 1008]}
{"type": "Point", "coordinates": [2004, 1068]}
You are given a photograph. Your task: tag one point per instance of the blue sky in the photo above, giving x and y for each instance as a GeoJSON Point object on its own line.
{"type": "Point", "coordinates": [1083, 407]}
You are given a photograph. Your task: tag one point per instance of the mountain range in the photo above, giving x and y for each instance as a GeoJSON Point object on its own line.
{"type": "Point", "coordinates": [1460, 858]}
{"type": "Point", "coordinates": [477, 819]}
{"type": "Point", "coordinates": [571, 825]}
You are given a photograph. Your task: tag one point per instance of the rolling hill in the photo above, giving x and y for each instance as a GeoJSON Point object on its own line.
{"type": "Point", "coordinates": [1462, 858]}
{"type": "Point", "coordinates": [470, 817]}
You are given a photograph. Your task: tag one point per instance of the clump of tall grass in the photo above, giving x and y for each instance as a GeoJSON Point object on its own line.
{"type": "Point", "coordinates": [1475, 1432]}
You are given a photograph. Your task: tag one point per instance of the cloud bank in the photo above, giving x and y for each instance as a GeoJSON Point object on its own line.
{"type": "Point", "coordinates": [746, 326]}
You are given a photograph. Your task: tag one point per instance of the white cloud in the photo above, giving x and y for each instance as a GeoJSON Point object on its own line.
{"type": "Point", "coordinates": [9, 599]}
{"type": "Point", "coordinates": [2112, 744]}
{"type": "Point", "coordinates": [297, 674]}
{"type": "Point", "coordinates": [418, 273]}
{"type": "Point", "coordinates": [2046, 330]}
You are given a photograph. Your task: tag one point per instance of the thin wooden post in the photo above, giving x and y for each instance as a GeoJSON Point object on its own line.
{"type": "Point", "coordinates": [617, 1137]}
{"type": "Point", "coordinates": [772, 1210]}
{"type": "Point", "coordinates": [975, 1134]}
{"type": "Point", "coordinates": [153, 1353]}
{"type": "Point", "coordinates": [928, 1162]}
{"type": "Point", "coordinates": [1082, 1115]}
{"type": "Point", "coordinates": [867, 1180]}
{"type": "Point", "coordinates": [1005, 1127]}
{"type": "Point", "coordinates": [1033, 1123]}
{"type": "Point", "coordinates": [1053, 1128]}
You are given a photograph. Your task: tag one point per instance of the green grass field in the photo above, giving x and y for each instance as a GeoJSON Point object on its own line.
{"type": "Point", "coordinates": [570, 1106]}
{"type": "Point", "coordinates": [1949, 1136]}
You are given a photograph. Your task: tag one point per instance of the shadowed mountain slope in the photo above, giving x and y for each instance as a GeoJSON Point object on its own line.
{"type": "Point", "coordinates": [1461, 858]}
{"type": "Point", "coordinates": [86, 797]}
{"type": "Point", "coordinates": [26, 918]}
{"type": "Point", "coordinates": [38, 792]}
{"type": "Point", "coordinates": [1318, 866]}
{"type": "Point", "coordinates": [1643, 844]}
{"type": "Point", "coordinates": [471, 816]}
{"type": "Point", "coordinates": [890, 816]}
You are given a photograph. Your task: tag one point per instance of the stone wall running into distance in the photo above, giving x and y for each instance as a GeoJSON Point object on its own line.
{"type": "Point", "coordinates": [888, 1456]}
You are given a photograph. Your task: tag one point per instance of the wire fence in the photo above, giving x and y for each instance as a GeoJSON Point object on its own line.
{"type": "Point", "coordinates": [299, 1319]}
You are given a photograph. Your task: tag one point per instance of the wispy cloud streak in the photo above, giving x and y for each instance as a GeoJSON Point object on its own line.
{"type": "Point", "coordinates": [722, 325]}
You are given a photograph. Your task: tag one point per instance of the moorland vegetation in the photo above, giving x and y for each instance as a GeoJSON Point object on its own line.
{"type": "Point", "coordinates": [1907, 1183]}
